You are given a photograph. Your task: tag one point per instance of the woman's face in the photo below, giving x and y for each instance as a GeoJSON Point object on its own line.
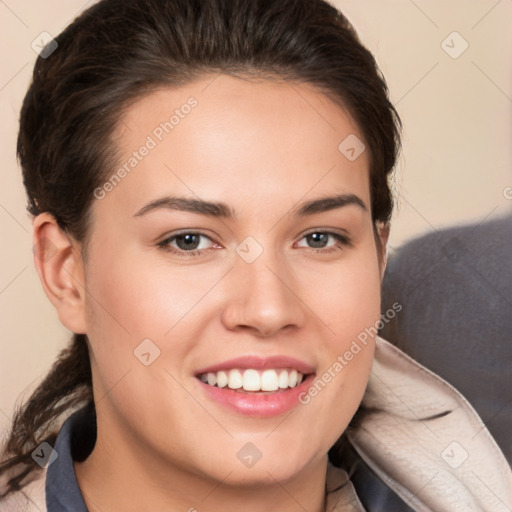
{"type": "Point", "coordinates": [238, 238]}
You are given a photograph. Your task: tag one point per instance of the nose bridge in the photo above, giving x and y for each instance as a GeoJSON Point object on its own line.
{"type": "Point", "coordinates": [262, 296]}
{"type": "Point", "coordinates": [266, 279]}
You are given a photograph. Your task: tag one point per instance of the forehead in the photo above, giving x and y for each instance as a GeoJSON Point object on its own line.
{"type": "Point", "coordinates": [224, 136]}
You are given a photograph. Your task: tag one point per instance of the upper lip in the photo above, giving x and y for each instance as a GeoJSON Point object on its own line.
{"type": "Point", "coordinates": [259, 363]}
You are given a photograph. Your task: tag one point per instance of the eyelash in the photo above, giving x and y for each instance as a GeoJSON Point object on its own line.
{"type": "Point", "coordinates": [343, 241]}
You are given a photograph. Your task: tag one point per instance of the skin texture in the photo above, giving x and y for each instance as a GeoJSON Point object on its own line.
{"type": "Point", "coordinates": [263, 148]}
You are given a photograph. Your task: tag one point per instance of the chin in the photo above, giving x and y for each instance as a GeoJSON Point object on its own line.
{"type": "Point", "coordinates": [263, 475]}
{"type": "Point", "coordinates": [271, 468]}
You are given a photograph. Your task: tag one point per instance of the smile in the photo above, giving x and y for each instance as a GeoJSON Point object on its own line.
{"type": "Point", "coordinates": [252, 380]}
{"type": "Point", "coordinates": [255, 386]}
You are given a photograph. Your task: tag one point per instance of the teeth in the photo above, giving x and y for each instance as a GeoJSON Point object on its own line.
{"type": "Point", "coordinates": [235, 380]}
{"type": "Point", "coordinates": [222, 379]}
{"type": "Point", "coordinates": [292, 379]}
{"type": "Point", "coordinates": [283, 379]}
{"type": "Point", "coordinates": [269, 380]}
{"type": "Point", "coordinates": [254, 380]}
{"type": "Point", "coordinates": [251, 380]}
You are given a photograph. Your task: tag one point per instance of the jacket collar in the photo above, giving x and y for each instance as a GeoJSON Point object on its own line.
{"type": "Point", "coordinates": [425, 441]}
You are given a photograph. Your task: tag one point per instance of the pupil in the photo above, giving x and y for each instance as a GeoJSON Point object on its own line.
{"type": "Point", "coordinates": [189, 241]}
{"type": "Point", "coordinates": [317, 240]}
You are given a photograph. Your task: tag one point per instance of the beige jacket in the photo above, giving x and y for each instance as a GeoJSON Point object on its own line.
{"type": "Point", "coordinates": [433, 459]}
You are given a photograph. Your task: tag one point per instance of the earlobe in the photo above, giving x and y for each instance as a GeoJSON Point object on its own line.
{"type": "Point", "coordinates": [59, 264]}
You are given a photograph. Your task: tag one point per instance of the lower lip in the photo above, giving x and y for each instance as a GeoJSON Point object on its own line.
{"type": "Point", "coordinates": [263, 405]}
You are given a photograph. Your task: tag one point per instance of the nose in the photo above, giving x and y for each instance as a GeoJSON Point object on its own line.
{"type": "Point", "coordinates": [263, 298]}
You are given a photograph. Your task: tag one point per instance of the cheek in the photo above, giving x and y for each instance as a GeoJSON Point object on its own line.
{"type": "Point", "coordinates": [347, 298]}
{"type": "Point", "coordinates": [132, 306]}
{"type": "Point", "coordinates": [144, 299]}
{"type": "Point", "coordinates": [350, 307]}
{"type": "Point", "coordinates": [134, 300]}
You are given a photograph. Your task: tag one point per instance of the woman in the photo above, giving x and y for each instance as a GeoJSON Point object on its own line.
{"type": "Point", "coordinates": [209, 185]}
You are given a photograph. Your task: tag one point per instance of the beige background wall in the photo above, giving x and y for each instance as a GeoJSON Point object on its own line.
{"type": "Point", "coordinates": [456, 164]}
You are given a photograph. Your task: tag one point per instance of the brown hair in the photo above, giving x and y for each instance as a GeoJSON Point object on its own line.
{"type": "Point", "coordinates": [120, 50]}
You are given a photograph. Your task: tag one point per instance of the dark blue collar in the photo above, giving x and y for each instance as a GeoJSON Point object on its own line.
{"type": "Point", "coordinates": [74, 442]}
{"type": "Point", "coordinates": [373, 493]}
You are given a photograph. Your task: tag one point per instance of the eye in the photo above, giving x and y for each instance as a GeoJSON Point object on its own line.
{"type": "Point", "coordinates": [319, 240]}
{"type": "Point", "coordinates": [187, 242]}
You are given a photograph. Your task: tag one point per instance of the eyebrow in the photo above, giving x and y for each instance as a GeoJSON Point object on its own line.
{"type": "Point", "coordinates": [325, 204]}
{"type": "Point", "coordinates": [222, 210]}
{"type": "Point", "coordinates": [212, 209]}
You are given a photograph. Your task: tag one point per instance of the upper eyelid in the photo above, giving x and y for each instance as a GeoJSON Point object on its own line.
{"type": "Point", "coordinates": [328, 231]}
{"type": "Point", "coordinates": [173, 235]}
{"type": "Point", "coordinates": [341, 238]}
{"type": "Point", "coordinates": [167, 239]}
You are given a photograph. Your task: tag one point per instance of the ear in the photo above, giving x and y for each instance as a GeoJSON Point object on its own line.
{"type": "Point", "coordinates": [382, 233]}
{"type": "Point", "coordinates": [59, 264]}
